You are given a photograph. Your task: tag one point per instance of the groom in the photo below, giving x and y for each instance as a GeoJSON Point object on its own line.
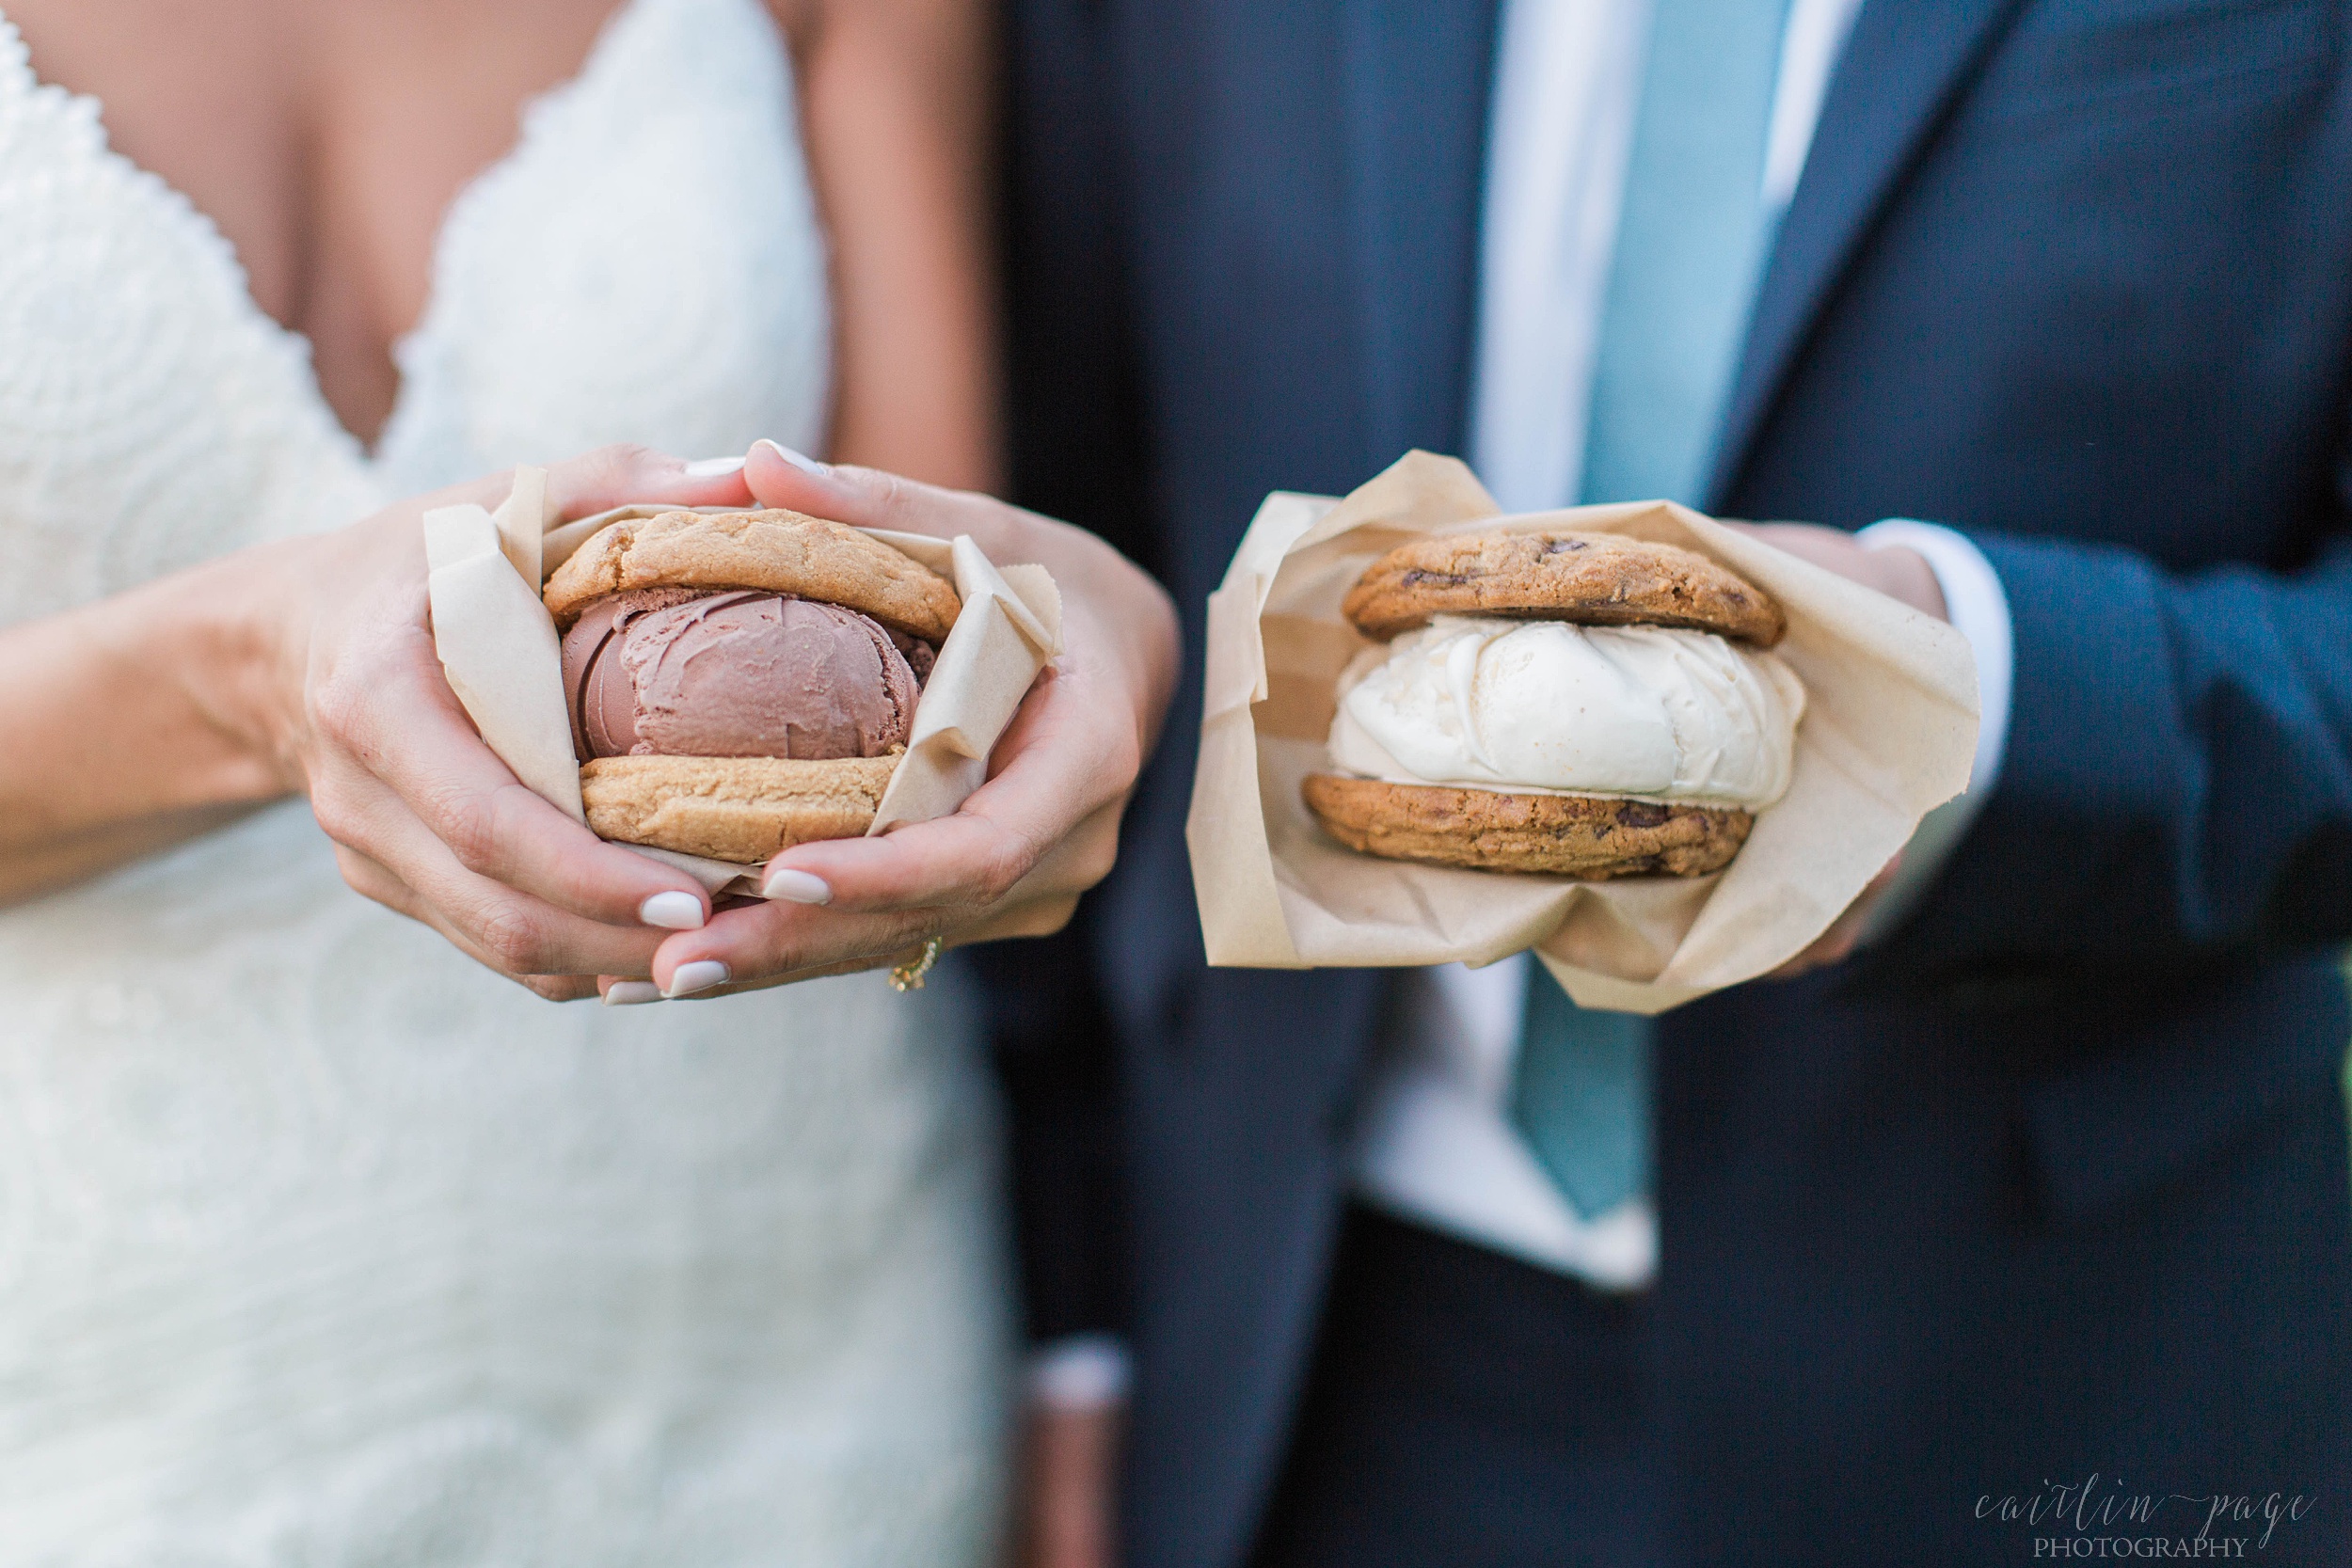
{"type": "Point", "coordinates": [2040, 1202]}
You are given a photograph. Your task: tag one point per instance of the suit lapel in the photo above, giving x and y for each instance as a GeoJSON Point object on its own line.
{"type": "Point", "coordinates": [1902, 67]}
{"type": "Point", "coordinates": [1416, 79]}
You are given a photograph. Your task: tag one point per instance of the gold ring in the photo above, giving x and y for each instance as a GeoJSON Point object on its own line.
{"type": "Point", "coordinates": [909, 976]}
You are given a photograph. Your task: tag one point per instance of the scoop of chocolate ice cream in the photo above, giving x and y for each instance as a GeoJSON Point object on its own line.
{"type": "Point", "coordinates": [671, 671]}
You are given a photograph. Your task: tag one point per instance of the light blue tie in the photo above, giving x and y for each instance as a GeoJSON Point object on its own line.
{"type": "Point", "coordinates": [1691, 243]}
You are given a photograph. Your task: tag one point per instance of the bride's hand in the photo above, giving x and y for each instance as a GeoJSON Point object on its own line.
{"type": "Point", "coordinates": [425, 818]}
{"type": "Point", "coordinates": [1043, 829]}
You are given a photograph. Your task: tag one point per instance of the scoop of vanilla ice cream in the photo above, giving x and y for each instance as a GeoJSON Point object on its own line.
{"type": "Point", "coordinates": [1549, 707]}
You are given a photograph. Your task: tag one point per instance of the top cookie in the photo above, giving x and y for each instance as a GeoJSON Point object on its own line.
{"type": "Point", "coordinates": [1594, 579]}
{"type": "Point", "coordinates": [782, 552]}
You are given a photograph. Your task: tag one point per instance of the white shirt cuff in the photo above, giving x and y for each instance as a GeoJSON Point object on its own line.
{"type": "Point", "coordinates": [1082, 1371]}
{"type": "Point", "coordinates": [1978, 610]}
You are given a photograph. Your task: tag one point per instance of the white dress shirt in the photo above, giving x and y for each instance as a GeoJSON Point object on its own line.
{"type": "Point", "coordinates": [1434, 1142]}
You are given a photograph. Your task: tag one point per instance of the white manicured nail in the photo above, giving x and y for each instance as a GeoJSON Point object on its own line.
{"type": "Point", "coordinates": [802, 461]}
{"type": "Point", "coordinates": [631, 993]}
{"type": "Point", "coordinates": [701, 974]}
{"type": "Point", "coordinates": [796, 887]}
{"type": "Point", "coordinates": [673, 912]}
{"type": "Point", "coordinates": [714, 467]}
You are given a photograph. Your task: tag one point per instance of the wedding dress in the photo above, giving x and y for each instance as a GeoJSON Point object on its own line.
{"type": "Point", "coordinates": [320, 1246]}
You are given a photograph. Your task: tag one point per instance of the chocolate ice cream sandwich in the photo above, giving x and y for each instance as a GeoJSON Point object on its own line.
{"type": "Point", "coordinates": [740, 682]}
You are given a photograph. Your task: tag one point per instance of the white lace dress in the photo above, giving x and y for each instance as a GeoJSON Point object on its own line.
{"type": "Point", "coordinates": [318, 1244]}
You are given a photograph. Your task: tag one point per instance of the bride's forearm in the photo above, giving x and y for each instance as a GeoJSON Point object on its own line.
{"type": "Point", "coordinates": [136, 723]}
{"type": "Point", "coordinates": [51, 869]}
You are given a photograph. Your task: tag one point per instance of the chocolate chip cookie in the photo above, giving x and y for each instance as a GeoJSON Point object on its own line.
{"type": "Point", "coordinates": [1593, 838]}
{"type": "Point", "coordinates": [1594, 579]}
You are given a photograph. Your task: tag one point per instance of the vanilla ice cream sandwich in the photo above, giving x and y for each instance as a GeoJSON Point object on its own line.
{"type": "Point", "coordinates": [1578, 705]}
{"type": "Point", "coordinates": [740, 682]}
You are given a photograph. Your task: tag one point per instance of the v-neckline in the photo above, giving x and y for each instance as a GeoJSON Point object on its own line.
{"type": "Point", "coordinates": [526, 118]}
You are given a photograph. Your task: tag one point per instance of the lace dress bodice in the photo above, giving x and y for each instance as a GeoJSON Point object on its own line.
{"type": "Point", "coordinates": [320, 1246]}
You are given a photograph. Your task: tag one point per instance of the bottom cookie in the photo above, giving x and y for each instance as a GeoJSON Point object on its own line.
{"type": "Point", "coordinates": [1586, 836]}
{"type": "Point", "coordinates": [741, 809]}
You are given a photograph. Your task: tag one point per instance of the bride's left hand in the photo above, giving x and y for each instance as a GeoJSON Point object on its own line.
{"type": "Point", "coordinates": [1044, 827]}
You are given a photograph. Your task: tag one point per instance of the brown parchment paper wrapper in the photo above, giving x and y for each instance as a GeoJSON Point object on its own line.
{"type": "Point", "coordinates": [499, 647]}
{"type": "Point", "coordinates": [1889, 733]}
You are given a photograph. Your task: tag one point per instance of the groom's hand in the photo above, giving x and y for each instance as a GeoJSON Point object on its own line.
{"type": "Point", "coordinates": [1043, 829]}
{"type": "Point", "coordinates": [1895, 570]}
{"type": "Point", "coordinates": [1901, 574]}
{"type": "Point", "coordinates": [1836, 944]}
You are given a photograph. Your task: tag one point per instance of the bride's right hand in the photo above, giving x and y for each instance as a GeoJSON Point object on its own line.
{"type": "Point", "coordinates": [425, 818]}
{"type": "Point", "coordinates": [308, 666]}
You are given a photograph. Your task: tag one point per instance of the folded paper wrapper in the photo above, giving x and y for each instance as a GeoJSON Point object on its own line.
{"type": "Point", "coordinates": [1889, 731]}
{"type": "Point", "coordinates": [499, 649]}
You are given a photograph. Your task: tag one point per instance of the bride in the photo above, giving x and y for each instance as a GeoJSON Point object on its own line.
{"type": "Point", "coordinates": [323, 1241]}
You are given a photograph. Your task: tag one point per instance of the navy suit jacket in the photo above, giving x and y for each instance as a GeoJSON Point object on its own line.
{"type": "Point", "coordinates": [2054, 1183]}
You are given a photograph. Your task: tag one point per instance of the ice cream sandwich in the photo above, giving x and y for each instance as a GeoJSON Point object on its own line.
{"type": "Point", "coordinates": [1578, 705]}
{"type": "Point", "coordinates": [740, 682]}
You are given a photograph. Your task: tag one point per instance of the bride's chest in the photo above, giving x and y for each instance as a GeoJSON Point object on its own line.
{"type": "Point", "coordinates": [324, 141]}
{"type": "Point", "coordinates": [644, 263]}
